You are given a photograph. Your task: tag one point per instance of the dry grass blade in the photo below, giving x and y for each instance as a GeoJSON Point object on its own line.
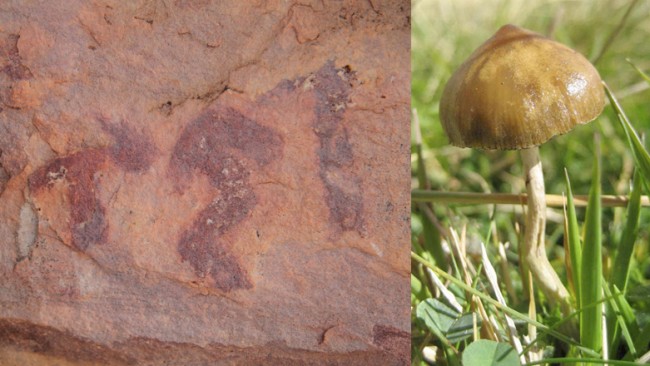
{"type": "Point", "coordinates": [552, 200]}
{"type": "Point", "coordinates": [494, 283]}
{"type": "Point", "coordinates": [444, 291]}
{"type": "Point", "coordinates": [459, 248]}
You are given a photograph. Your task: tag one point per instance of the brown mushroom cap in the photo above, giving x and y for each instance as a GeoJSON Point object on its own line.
{"type": "Point", "coordinates": [518, 90]}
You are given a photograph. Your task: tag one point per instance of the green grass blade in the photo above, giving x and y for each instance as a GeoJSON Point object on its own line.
{"type": "Point", "coordinates": [628, 238]}
{"type": "Point", "coordinates": [641, 156]}
{"type": "Point", "coordinates": [573, 241]}
{"type": "Point", "coordinates": [643, 74]}
{"type": "Point", "coordinates": [626, 320]}
{"type": "Point", "coordinates": [621, 272]}
{"type": "Point", "coordinates": [591, 272]}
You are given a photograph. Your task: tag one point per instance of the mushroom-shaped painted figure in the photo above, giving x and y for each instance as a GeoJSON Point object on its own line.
{"type": "Point", "coordinates": [515, 92]}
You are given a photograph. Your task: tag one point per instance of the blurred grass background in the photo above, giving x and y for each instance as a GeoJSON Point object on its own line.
{"type": "Point", "coordinates": [445, 32]}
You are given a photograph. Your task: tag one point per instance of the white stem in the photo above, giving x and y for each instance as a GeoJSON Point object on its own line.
{"type": "Point", "coordinates": [533, 249]}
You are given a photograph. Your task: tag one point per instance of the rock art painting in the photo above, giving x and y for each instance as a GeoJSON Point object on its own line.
{"type": "Point", "coordinates": [222, 144]}
{"type": "Point", "coordinates": [332, 88]}
{"type": "Point", "coordinates": [76, 177]}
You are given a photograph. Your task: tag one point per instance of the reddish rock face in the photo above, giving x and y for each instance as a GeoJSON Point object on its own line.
{"type": "Point", "coordinates": [197, 182]}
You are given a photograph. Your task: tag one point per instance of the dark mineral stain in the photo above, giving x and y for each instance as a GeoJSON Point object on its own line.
{"type": "Point", "coordinates": [218, 145]}
{"type": "Point", "coordinates": [4, 178]}
{"type": "Point", "coordinates": [332, 89]}
{"type": "Point", "coordinates": [14, 67]}
{"type": "Point", "coordinates": [166, 108]}
{"type": "Point", "coordinates": [392, 340]}
{"type": "Point", "coordinates": [131, 151]}
{"type": "Point", "coordinates": [53, 344]}
{"type": "Point", "coordinates": [34, 338]}
{"type": "Point", "coordinates": [87, 222]}
{"type": "Point", "coordinates": [11, 69]}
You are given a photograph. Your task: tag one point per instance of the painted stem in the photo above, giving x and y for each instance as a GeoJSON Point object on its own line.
{"type": "Point", "coordinates": [533, 249]}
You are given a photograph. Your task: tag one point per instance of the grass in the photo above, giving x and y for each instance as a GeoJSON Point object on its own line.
{"type": "Point", "coordinates": [447, 238]}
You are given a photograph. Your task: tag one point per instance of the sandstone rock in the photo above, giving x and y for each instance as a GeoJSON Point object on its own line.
{"type": "Point", "coordinates": [204, 182]}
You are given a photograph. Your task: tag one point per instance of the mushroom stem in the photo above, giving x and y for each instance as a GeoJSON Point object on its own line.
{"type": "Point", "coordinates": [533, 249]}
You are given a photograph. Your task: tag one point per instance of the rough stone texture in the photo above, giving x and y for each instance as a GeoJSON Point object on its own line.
{"type": "Point", "coordinates": [204, 182]}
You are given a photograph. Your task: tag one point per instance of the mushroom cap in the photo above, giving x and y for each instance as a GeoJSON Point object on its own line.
{"type": "Point", "coordinates": [518, 90]}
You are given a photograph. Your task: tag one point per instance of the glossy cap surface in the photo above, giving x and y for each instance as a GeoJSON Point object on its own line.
{"type": "Point", "coordinates": [518, 90]}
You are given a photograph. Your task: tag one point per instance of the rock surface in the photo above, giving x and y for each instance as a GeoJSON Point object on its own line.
{"type": "Point", "coordinates": [204, 182]}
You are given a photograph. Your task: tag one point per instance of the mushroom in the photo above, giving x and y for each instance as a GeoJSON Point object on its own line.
{"type": "Point", "coordinates": [515, 92]}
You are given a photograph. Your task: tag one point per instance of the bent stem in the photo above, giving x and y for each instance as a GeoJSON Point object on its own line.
{"type": "Point", "coordinates": [533, 249]}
